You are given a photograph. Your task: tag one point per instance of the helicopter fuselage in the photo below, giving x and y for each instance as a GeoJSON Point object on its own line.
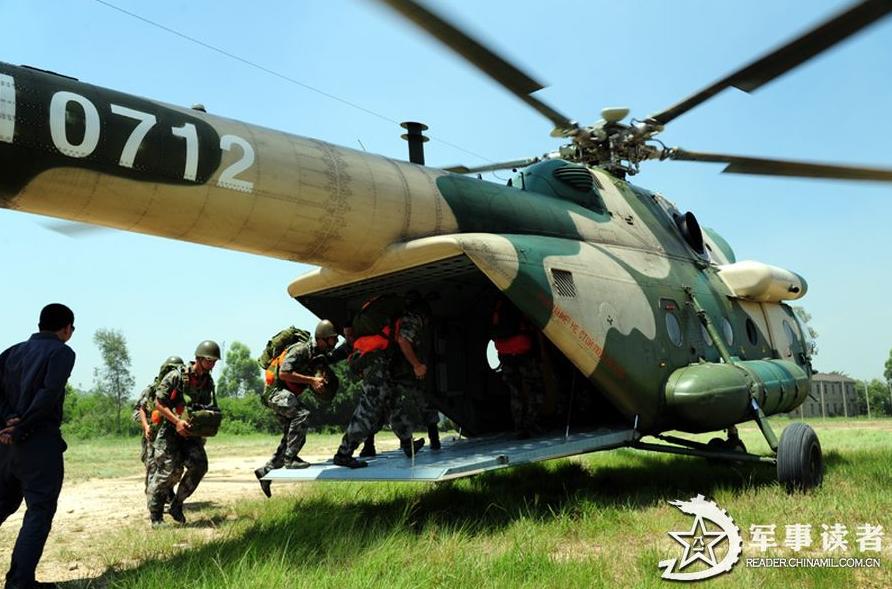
{"type": "Point", "coordinates": [625, 290]}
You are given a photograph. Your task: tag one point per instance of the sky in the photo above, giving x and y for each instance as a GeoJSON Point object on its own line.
{"type": "Point", "coordinates": [166, 296]}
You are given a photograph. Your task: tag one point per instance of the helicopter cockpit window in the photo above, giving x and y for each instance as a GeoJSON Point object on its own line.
{"type": "Point", "coordinates": [752, 334]}
{"type": "Point", "coordinates": [810, 344]}
{"type": "Point", "coordinates": [727, 331]}
{"type": "Point", "coordinates": [673, 328]}
{"type": "Point", "coordinates": [791, 336]}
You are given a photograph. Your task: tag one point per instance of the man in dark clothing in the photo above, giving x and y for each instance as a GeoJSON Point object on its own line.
{"type": "Point", "coordinates": [32, 389]}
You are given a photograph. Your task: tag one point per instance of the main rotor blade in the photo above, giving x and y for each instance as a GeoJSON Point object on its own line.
{"type": "Point", "coordinates": [485, 59]}
{"type": "Point", "coordinates": [74, 229]}
{"type": "Point", "coordinates": [492, 167]}
{"type": "Point", "coordinates": [787, 57]}
{"type": "Point", "coordinates": [771, 167]}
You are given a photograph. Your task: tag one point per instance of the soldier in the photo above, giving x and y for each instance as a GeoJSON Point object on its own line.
{"type": "Point", "coordinates": [291, 373]}
{"type": "Point", "coordinates": [514, 338]}
{"type": "Point", "coordinates": [182, 388]}
{"type": "Point", "coordinates": [411, 368]}
{"type": "Point", "coordinates": [378, 398]}
{"type": "Point", "coordinates": [149, 418]}
{"type": "Point", "coordinates": [33, 375]}
{"type": "Point", "coordinates": [340, 354]}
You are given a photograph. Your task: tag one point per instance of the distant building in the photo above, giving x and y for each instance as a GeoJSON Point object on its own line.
{"type": "Point", "coordinates": [831, 395]}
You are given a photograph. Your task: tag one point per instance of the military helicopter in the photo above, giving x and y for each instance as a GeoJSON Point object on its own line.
{"type": "Point", "coordinates": [650, 323]}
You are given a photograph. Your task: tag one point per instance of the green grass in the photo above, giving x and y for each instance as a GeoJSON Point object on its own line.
{"type": "Point", "coordinates": [599, 520]}
{"type": "Point", "coordinates": [119, 456]}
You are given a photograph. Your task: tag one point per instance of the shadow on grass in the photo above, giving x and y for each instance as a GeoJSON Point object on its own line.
{"type": "Point", "coordinates": [336, 522]}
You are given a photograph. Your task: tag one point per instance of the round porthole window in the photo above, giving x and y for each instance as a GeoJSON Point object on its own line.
{"type": "Point", "coordinates": [705, 335]}
{"type": "Point", "coordinates": [727, 331]}
{"type": "Point", "coordinates": [673, 329]}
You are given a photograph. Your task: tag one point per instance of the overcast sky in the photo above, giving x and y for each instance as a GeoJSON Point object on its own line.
{"type": "Point", "coordinates": [166, 296]}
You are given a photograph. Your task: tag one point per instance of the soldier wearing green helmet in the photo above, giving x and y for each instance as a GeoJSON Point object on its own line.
{"type": "Point", "coordinates": [288, 375]}
{"type": "Point", "coordinates": [147, 416]}
{"type": "Point", "coordinates": [185, 387]}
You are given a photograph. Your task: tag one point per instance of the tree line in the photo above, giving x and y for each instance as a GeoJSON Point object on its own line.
{"type": "Point", "coordinates": [107, 408]}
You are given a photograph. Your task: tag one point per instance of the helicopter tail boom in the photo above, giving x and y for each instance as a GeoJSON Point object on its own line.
{"type": "Point", "coordinates": [87, 154]}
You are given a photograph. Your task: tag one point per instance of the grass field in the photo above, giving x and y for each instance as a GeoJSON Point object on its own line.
{"type": "Point", "coordinates": [115, 457]}
{"type": "Point", "coordinates": [594, 521]}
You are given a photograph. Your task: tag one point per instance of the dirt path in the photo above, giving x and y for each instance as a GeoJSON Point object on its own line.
{"type": "Point", "coordinates": [92, 508]}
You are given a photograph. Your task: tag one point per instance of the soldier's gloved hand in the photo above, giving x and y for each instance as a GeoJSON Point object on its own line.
{"type": "Point", "coordinates": [420, 371]}
{"type": "Point", "coordinates": [183, 428]}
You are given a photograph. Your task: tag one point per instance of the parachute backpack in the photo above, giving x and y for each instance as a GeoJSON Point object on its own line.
{"type": "Point", "coordinates": [377, 315]}
{"type": "Point", "coordinates": [147, 398]}
{"type": "Point", "coordinates": [374, 328]}
{"type": "Point", "coordinates": [204, 421]}
{"type": "Point", "coordinates": [281, 342]}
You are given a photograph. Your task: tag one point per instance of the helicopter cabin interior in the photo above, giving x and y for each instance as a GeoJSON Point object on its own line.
{"type": "Point", "coordinates": [464, 383]}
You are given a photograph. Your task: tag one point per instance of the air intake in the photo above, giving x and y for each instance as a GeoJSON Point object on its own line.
{"type": "Point", "coordinates": [576, 178]}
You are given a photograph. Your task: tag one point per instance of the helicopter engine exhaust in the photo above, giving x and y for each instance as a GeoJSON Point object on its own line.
{"type": "Point", "coordinates": [416, 139]}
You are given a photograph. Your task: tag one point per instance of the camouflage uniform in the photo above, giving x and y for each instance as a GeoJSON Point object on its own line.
{"type": "Point", "coordinates": [523, 377]}
{"type": "Point", "coordinates": [516, 341]}
{"type": "Point", "coordinates": [146, 402]}
{"type": "Point", "coordinates": [410, 390]}
{"type": "Point", "coordinates": [292, 415]}
{"type": "Point", "coordinates": [378, 401]}
{"type": "Point", "coordinates": [173, 453]}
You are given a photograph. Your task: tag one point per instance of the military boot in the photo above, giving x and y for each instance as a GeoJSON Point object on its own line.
{"type": "Point", "coordinates": [176, 512]}
{"type": "Point", "coordinates": [348, 461]}
{"type": "Point", "coordinates": [156, 520]}
{"type": "Point", "coordinates": [433, 434]}
{"type": "Point", "coordinates": [265, 486]}
{"type": "Point", "coordinates": [411, 448]}
{"type": "Point", "coordinates": [295, 463]}
{"type": "Point", "coordinates": [368, 448]}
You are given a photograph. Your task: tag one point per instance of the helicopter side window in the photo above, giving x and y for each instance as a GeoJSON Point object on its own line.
{"type": "Point", "coordinates": [673, 328]}
{"type": "Point", "coordinates": [727, 331]}
{"type": "Point", "coordinates": [705, 335]}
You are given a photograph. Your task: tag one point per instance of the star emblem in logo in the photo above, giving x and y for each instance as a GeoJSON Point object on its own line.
{"type": "Point", "coordinates": [701, 545]}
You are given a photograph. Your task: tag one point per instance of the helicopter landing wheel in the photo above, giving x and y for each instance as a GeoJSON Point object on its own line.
{"type": "Point", "coordinates": [800, 464]}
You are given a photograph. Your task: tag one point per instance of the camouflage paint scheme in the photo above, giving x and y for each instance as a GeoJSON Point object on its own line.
{"type": "Point", "coordinates": [88, 154]}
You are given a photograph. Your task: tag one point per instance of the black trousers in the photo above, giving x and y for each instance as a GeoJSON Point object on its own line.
{"type": "Point", "coordinates": [31, 470]}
